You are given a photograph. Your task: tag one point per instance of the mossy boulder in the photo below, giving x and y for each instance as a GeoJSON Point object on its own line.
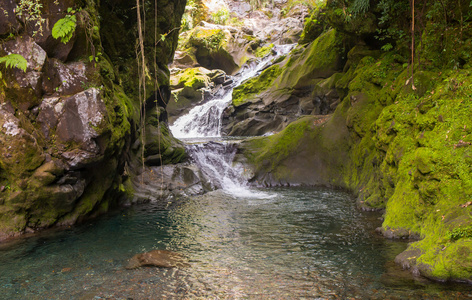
{"type": "Point", "coordinates": [251, 88]}
{"type": "Point", "coordinates": [212, 48]}
{"type": "Point", "coordinates": [272, 100]}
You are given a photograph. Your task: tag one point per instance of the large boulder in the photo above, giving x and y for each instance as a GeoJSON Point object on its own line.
{"type": "Point", "coordinates": [212, 49]}
{"type": "Point", "coordinates": [302, 84]}
{"type": "Point", "coordinates": [27, 90]}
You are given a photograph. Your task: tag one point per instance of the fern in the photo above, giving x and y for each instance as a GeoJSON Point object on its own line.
{"type": "Point", "coordinates": [64, 28]}
{"type": "Point", "coordinates": [14, 61]}
{"type": "Point", "coordinates": [360, 7]}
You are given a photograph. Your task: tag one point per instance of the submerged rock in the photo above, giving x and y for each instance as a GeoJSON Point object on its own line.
{"type": "Point", "coordinates": [157, 258]}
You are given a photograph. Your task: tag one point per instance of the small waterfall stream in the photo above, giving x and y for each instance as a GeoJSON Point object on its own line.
{"type": "Point", "coordinates": [203, 122]}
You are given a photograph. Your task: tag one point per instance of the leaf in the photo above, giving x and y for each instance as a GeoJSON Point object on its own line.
{"type": "Point", "coordinates": [14, 61]}
{"type": "Point", "coordinates": [64, 28]}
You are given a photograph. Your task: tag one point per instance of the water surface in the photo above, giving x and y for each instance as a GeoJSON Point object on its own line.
{"type": "Point", "coordinates": [296, 244]}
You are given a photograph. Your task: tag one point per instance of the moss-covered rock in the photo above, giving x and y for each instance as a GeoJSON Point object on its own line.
{"type": "Point", "coordinates": [212, 48]}
{"type": "Point", "coordinates": [283, 91]}
{"type": "Point", "coordinates": [67, 124]}
{"type": "Point", "coordinates": [251, 88]}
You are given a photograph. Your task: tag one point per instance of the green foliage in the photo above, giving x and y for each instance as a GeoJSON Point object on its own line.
{"type": "Point", "coordinates": [221, 16]}
{"type": "Point", "coordinates": [459, 233]}
{"type": "Point", "coordinates": [387, 47]}
{"type": "Point", "coordinates": [195, 12]}
{"type": "Point", "coordinates": [64, 28]}
{"type": "Point", "coordinates": [360, 6]}
{"type": "Point", "coordinates": [14, 61]}
{"type": "Point", "coordinates": [30, 12]}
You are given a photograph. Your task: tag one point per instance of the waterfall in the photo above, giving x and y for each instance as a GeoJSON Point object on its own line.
{"type": "Point", "coordinates": [203, 123]}
{"type": "Point", "coordinates": [205, 120]}
{"type": "Point", "coordinates": [215, 161]}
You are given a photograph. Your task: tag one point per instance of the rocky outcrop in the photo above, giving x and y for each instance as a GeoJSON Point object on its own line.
{"type": "Point", "coordinates": [228, 47]}
{"type": "Point", "coordinates": [67, 124]}
{"type": "Point", "coordinates": [302, 84]}
{"type": "Point", "coordinates": [194, 86]}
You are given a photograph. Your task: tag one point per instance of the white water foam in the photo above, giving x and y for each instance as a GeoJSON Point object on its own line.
{"type": "Point", "coordinates": [205, 120]}
{"type": "Point", "coordinates": [215, 159]}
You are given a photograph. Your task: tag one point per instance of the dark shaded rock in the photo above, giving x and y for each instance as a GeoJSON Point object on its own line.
{"type": "Point", "coordinates": [184, 60]}
{"type": "Point", "coordinates": [75, 119]}
{"type": "Point", "coordinates": [8, 21]}
{"type": "Point", "coordinates": [64, 79]}
{"type": "Point", "coordinates": [168, 182]}
{"type": "Point", "coordinates": [157, 258]}
{"type": "Point", "coordinates": [31, 79]}
{"type": "Point", "coordinates": [52, 12]}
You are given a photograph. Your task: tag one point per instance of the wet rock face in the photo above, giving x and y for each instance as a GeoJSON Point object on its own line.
{"type": "Point", "coordinates": [76, 119]}
{"type": "Point", "coordinates": [8, 21]}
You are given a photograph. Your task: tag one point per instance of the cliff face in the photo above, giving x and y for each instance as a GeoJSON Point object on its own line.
{"type": "Point", "coordinates": [67, 121]}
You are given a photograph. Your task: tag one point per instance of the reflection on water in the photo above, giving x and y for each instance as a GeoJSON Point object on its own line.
{"type": "Point", "coordinates": [299, 244]}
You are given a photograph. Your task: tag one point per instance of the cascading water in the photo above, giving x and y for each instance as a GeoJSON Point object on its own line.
{"type": "Point", "coordinates": [215, 161]}
{"type": "Point", "coordinates": [204, 121]}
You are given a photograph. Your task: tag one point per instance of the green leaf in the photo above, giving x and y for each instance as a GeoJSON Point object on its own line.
{"type": "Point", "coordinates": [14, 61]}
{"type": "Point", "coordinates": [64, 28]}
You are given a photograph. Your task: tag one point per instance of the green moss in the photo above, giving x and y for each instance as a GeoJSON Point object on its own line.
{"type": "Point", "coordinates": [320, 59]}
{"type": "Point", "coordinates": [194, 78]}
{"type": "Point", "coordinates": [274, 149]}
{"type": "Point", "coordinates": [408, 152]}
{"type": "Point", "coordinates": [263, 51]}
{"type": "Point", "coordinates": [250, 88]}
{"type": "Point", "coordinates": [209, 38]}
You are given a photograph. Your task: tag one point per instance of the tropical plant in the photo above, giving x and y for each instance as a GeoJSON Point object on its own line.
{"type": "Point", "coordinates": [29, 11]}
{"type": "Point", "coordinates": [14, 61]}
{"type": "Point", "coordinates": [221, 16]}
{"type": "Point", "coordinates": [65, 27]}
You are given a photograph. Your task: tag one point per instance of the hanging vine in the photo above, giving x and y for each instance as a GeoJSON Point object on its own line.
{"type": "Point", "coordinates": [142, 81]}
{"type": "Point", "coordinates": [157, 90]}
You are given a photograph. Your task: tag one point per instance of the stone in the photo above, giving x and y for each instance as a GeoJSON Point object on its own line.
{"type": "Point", "coordinates": [79, 117]}
{"type": "Point", "coordinates": [36, 58]}
{"type": "Point", "coordinates": [30, 50]}
{"type": "Point", "coordinates": [64, 79]}
{"type": "Point", "coordinates": [52, 12]}
{"type": "Point", "coordinates": [8, 21]}
{"type": "Point", "coordinates": [157, 258]}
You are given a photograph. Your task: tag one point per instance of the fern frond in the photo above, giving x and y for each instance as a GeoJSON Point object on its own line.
{"type": "Point", "coordinates": [14, 61]}
{"type": "Point", "coordinates": [360, 6]}
{"type": "Point", "coordinates": [64, 28]}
